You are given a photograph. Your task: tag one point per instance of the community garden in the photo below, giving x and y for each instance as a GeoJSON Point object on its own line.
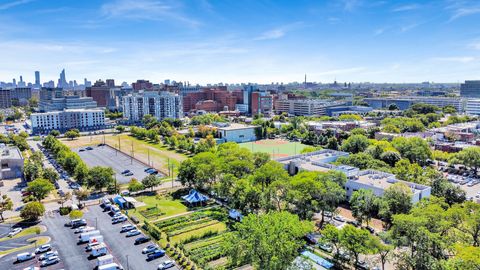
{"type": "Point", "coordinates": [194, 238]}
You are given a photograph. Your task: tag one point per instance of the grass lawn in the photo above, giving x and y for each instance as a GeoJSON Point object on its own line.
{"type": "Point", "coordinates": [39, 241]}
{"type": "Point", "coordinates": [276, 148]}
{"type": "Point", "coordinates": [218, 227]}
{"type": "Point", "coordinates": [27, 231]}
{"type": "Point", "coordinates": [160, 155]}
{"type": "Point", "coordinates": [167, 206]}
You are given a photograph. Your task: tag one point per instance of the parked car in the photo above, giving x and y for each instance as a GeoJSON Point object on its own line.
{"type": "Point", "coordinates": [325, 247]}
{"type": "Point", "coordinates": [14, 232]}
{"type": "Point", "coordinates": [43, 248]}
{"type": "Point", "coordinates": [119, 219]}
{"type": "Point", "coordinates": [362, 265]}
{"type": "Point", "coordinates": [149, 249]}
{"type": "Point", "coordinates": [25, 256]}
{"type": "Point", "coordinates": [133, 233]}
{"type": "Point", "coordinates": [165, 265]}
{"type": "Point", "coordinates": [339, 218]}
{"type": "Point", "coordinates": [126, 171]}
{"type": "Point", "coordinates": [129, 174]}
{"type": "Point", "coordinates": [141, 240]}
{"type": "Point", "coordinates": [81, 150]}
{"type": "Point", "coordinates": [126, 228]}
{"type": "Point", "coordinates": [50, 261]}
{"type": "Point", "coordinates": [89, 148]}
{"type": "Point", "coordinates": [354, 223]}
{"type": "Point", "coordinates": [370, 229]}
{"type": "Point", "coordinates": [155, 254]}
{"type": "Point", "coordinates": [310, 239]}
{"type": "Point", "coordinates": [47, 255]}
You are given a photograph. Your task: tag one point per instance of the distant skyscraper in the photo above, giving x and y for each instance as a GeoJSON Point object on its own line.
{"type": "Point", "coordinates": [110, 83]}
{"type": "Point", "coordinates": [14, 82]}
{"type": "Point", "coordinates": [37, 78]}
{"type": "Point", "coordinates": [62, 81]}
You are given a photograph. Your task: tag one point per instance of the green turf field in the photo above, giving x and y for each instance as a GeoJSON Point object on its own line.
{"type": "Point", "coordinates": [276, 148]}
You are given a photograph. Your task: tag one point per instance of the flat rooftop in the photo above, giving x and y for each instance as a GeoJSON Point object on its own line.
{"type": "Point", "coordinates": [383, 180]}
{"type": "Point", "coordinates": [10, 152]}
{"type": "Point", "coordinates": [315, 157]}
{"type": "Point", "coordinates": [234, 126]}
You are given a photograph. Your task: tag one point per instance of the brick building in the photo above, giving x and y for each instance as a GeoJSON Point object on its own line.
{"type": "Point", "coordinates": [210, 99]}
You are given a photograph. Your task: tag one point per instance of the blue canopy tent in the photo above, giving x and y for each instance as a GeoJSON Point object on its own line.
{"type": "Point", "coordinates": [235, 214]}
{"type": "Point", "coordinates": [195, 197]}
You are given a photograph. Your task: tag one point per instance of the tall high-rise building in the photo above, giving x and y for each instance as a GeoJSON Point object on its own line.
{"type": "Point", "coordinates": [5, 98]}
{"type": "Point", "coordinates": [62, 81]}
{"type": "Point", "coordinates": [37, 79]}
{"type": "Point", "coordinates": [160, 105]}
{"type": "Point", "coordinates": [470, 89]}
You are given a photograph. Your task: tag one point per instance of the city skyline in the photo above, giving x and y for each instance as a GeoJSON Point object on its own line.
{"type": "Point", "coordinates": [261, 42]}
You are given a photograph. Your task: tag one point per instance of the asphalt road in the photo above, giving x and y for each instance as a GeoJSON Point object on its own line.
{"type": "Point", "coordinates": [120, 245]}
{"type": "Point", "coordinates": [9, 261]}
{"type": "Point", "coordinates": [118, 161]}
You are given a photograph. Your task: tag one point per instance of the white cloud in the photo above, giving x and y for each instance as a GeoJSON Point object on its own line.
{"type": "Point", "coordinates": [14, 4]}
{"type": "Point", "coordinates": [456, 59]}
{"type": "Point", "coordinates": [408, 27]}
{"type": "Point", "coordinates": [350, 5]}
{"type": "Point", "coordinates": [475, 45]}
{"type": "Point", "coordinates": [279, 32]}
{"type": "Point", "coordinates": [462, 12]}
{"type": "Point", "coordinates": [151, 10]}
{"type": "Point", "coordinates": [406, 8]}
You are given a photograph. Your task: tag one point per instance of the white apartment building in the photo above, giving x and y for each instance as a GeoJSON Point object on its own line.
{"type": "Point", "coordinates": [160, 105]}
{"type": "Point", "coordinates": [473, 107]}
{"type": "Point", "coordinates": [81, 119]}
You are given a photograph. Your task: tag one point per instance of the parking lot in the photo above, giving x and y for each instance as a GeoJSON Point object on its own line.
{"type": "Point", "coordinates": [73, 256]}
{"type": "Point", "coordinates": [118, 161]}
{"type": "Point", "coordinates": [467, 180]}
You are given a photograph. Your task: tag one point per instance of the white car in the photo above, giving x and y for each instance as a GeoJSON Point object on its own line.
{"type": "Point", "coordinates": [79, 229]}
{"type": "Point", "coordinates": [14, 232]}
{"type": "Point", "coordinates": [43, 248]}
{"type": "Point", "coordinates": [32, 268]}
{"type": "Point", "coordinates": [50, 261]}
{"type": "Point", "coordinates": [165, 265]}
{"type": "Point", "coordinates": [126, 228]}
{"type": "Point", "coordinates": [48, 255]}
{"type": "Point", "coordinates": [133, 233]}
{"type": "Point", "coordinates": [339, 218]}
{"type": "Point", "coordinates": [149, 249]}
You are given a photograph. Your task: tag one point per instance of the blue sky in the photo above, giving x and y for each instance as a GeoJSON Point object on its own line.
{"type": "Point", "coordinates": [211, 41]}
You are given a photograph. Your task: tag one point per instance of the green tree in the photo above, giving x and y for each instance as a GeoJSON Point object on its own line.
{"type": "Point", "coordinates": [65, 198]}
{"type": "Point", "coordinates": [397, 199]}
{"type": "Point", "coordinates": [50, 174]}
{"type": "Point", "coordinates": [75, 214]}
{"type": "Point", "coordinates": [466, 258]}
{"type": "Point", "coordinates": [40, 188]}
{"type": "Point", "coordinates": [332, 143]}
{"type": "Point", "coordinates": [449, 109]}
{"type": "Point", "coordinates": [120, 129]}
{"type": "Point", "coordinates": [72, 134]}
{"type": "Point", "coordinates": [390, 157]}
{"type": "Point", "coordinates": [260, 158]}
{"type": "Point", "coordinates": [32, 170]}
{"type": "Point", "coordinates": [356, 241]}
{"type": "Point", "coordinates": [100, 177]}
{"type": "Point", "coordinates": [469, 156]}
{"type": "Point", "coordinates": [54, 133]}
{"type": "Point", "coordinates": [355, 144]}
{"type": "Point", "coordinates": [414, 149]}
{"type": "Point", "coordinates": [6, 204]}
{"type": "Point", "coordinates": [32, 211]}
{"type": "Point", "coordinates": [81, 173]}
{"type": "Point", "coordinates": [268, 241]}
{"type": "Point", "coordinates": [151, 181]}
{"type": "Point", "coordinates": [134, 185]}
{"type": "Point", "coordinates": [364, 205]}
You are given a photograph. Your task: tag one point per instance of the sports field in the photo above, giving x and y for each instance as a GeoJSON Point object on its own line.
{"type": "Point", "coordinates": [156, 155]}
{"type": "Point", "coordinates": [276, 148]}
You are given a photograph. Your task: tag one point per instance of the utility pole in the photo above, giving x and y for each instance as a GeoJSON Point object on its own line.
{"type": "Point", "coordinates": [131, 158]}
{"type": "Point", "coordinates": [128, 266]}
{"type": "Point", "coordinates": [119, 144]}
